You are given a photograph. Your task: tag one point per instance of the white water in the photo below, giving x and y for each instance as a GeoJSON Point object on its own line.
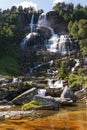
{"type": "Point", "coordinates": [42, 92]}
{"type": "Point", "coordinates": [24, 42]}
{"type": "Point", "coordinates": [56, 84]}
{"type": "Point", "coordinates": [52, 45]}
{"type": "Point", "coordinates": [77, 64]}
{"type": "Point", "coordinates": [16, 80]}
{"type": "Point", "coordinates": [32, 23]}
{"type": "Point", "coordinates": [42, 21]}
{"type": "Point", "coordinates": [55, 44]}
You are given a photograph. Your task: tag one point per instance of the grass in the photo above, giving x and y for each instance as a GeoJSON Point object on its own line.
{"type": "Point", "coordinates": [8, 66]}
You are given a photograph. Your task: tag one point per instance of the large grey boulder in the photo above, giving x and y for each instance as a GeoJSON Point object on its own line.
{"type": "Point", "coordinates": [47, 101]}
{"type": "Point", "coordinates": [68, 93]}
{"type": "Point", "coordinates": [25, 97]}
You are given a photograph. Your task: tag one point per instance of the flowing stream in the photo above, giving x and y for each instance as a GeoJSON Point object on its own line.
{"type": "Point", "coordinates": [67, 118]}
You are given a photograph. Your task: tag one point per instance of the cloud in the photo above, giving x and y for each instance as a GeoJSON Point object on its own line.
{"type": "Point", "coordinates": [26, 4]}
{"type": "Point", "coordinates": [56, 1]}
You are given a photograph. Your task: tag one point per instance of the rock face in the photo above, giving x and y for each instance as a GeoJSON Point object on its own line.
{"type": "Point", "coordinates": [67, 93]}
{"type": "Point", "coordinates": [25, 97]}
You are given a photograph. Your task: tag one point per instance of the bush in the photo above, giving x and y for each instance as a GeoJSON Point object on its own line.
{"type": "Point", "coordinates": [75, 84]}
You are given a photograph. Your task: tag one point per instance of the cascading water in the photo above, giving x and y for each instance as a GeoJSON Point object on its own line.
{"type": "Point", "coordinates": [63, 44]}
{"type": "Point", "coordinates": [55, 43]}
{"type": "Point", "coordinates": [42, 21]}
{"type": "Point", "coordinates": [56, 84]}
{"type": "Point", "coordinates": [77, 64]}
{"type": "Point", "coordinates": [31, 23]}
{"type": "Point", "coordinates": [42, 92]}
{"type": "Point", "coordinates": [24, 42]}
{"type": "Point", "coordinates": [52, 45]}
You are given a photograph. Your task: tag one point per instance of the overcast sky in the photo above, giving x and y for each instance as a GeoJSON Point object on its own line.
{"type": "Point", "coordinates": [46, 5]}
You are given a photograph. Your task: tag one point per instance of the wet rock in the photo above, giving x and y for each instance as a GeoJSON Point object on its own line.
{"type": "Point", "coordinates": [47, 101]}
{"type": "Point", "coordinates": [64, 101]}
{"type": "Point", "coordinates": [2, 102]}
{"type": "Point", "coordinates": [13, 114]}
{"type": "Point", "coordinates": [3, 94]}
{"type": "Point", "coordinates": [68, 93]}
{"type": "Point", "coordinates": [25, 97]}
{"type": "Point", "coordinates": [81, 93]}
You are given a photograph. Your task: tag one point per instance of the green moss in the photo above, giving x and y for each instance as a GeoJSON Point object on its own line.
{"type": "Point", "coordinates": [31, 105]}
{"type": "Point", "coordinates": [28, 84]}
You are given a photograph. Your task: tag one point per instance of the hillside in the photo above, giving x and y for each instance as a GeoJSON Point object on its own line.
{"type": "Point", "coordinates": [14, 26]}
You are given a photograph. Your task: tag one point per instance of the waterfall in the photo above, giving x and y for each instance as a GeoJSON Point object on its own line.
{"type": "Point", "coordinates": [63, 44]}
{"type": "Point", "coordinates": [32, 23]}
{"type": "Point", "coordinates": [24, 42]}
{"type": "Point", "coordinates": [52, 31]}
{"type": "Point", "coordinates": [52, 45]}
{"type": "Point", "coordinates": [42, 21]}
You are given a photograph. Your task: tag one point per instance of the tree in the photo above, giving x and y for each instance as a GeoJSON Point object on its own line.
{"type": "Point", "coordinates": [13, 9]}
{"type": "Point", "coordinates": [74, 29]}
{"type": "Point", "coordinates": [20, 9]}
{"type": "Point", "coordinates": [70, 26]}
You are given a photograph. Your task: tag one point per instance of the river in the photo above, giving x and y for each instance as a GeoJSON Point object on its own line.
{"type": "Point", "coordinates": [66, 118]}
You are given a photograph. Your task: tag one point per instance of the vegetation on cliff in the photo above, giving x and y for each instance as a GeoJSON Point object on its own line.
{"type": "Point", "coordinates": [76, 19]}
{"type": "Point", "coordinates": [12, 30]}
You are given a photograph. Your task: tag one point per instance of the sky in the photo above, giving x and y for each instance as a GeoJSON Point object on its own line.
{"type": "Point", "coordinates": [46, 5]}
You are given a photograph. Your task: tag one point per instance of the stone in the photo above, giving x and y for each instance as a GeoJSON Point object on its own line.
{"type": "Point", "coordinates": [25, 97]}
{"type": "Point", "coordinates": [68, 93]}
{"type": "Point", "coordinates": [47, 101]}
{"type": "Point", "coordinates": [81, 93]}
{"type": "Point", "coordinates": [64, 101]}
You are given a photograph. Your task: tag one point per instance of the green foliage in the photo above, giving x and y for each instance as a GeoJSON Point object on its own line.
{"type": "Point", "coordinates": [65, 10]}
{"type": "Point", "coordinates": [79, 32]}
{"type": "Point", "coordinates": [31, 105]}
{"type": "Point", "coordinates": [8, 66]}
{"type": "Point", "coordinates": [70, 26]}
{"type": "Point", "coordinates": [63, 71]}
{"type": "Point", "coordinates": [76, 79]}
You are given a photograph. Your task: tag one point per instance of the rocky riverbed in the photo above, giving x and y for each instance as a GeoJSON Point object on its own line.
{"type": "Point", "coordinates": [21, 92]}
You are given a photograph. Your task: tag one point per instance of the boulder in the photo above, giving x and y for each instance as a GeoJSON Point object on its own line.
{"type": "Point", "coordinates": [47, 101]}
{"type": "Point", "coordinates": [68, 93]}
{"type": "Point", "coordinates": [81, 93]}
{"type": "Point", "coordinates": [25, 97]}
